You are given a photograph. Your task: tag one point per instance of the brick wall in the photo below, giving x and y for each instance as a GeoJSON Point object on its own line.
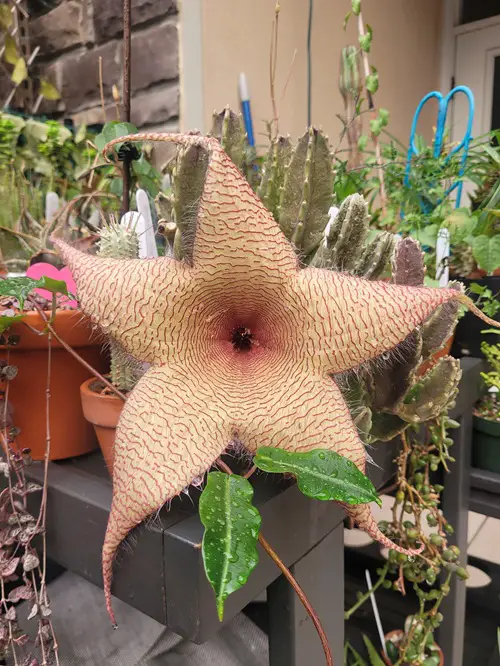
{"type": "Point", "coordinates": [74, 33]}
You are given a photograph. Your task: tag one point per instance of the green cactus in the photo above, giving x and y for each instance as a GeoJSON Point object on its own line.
{"type": "Point", "coordinates": [345, 236]}
{"type": "Point", "coordinates": [307, 192]}
{"type": "Point", "coordinates": [376, 256]}
{"type": "Point", "coordinates": [385, 427]}
{"type": "Point", "coordinates": [181, 207]}
{"type": "Point", "coordinates": [389, 386]}
{"type": "Point", "coordinates": [229, 129]}
{"type": "Point", "coordinates": [117, 242]}
{"type": "Point", "coordinates": [434, 393]}
{"type": "Point", "coordinates": [440, 325]}
{"type": "Point", "coordinates": [273, 173]}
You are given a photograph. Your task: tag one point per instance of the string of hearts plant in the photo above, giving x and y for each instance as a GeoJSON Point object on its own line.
{"type": "Point", "coordinates": [23, 566]}
{"type": "Point", "coordinates": [243, 339]}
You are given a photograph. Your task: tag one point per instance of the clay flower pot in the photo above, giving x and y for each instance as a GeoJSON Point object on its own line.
{"type": "Point", "coordinates": [432, 360]}
{"type": "Point", "coordinates": [103, 412]}
{"type": "Point", "coordinates": [397, 636]}
{"type": "Point", "coordinates": [71, 435]}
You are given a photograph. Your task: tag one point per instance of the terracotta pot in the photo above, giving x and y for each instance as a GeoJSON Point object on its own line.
{"type": "Point", "coordinates": [71, 435]}
{"type": "Point", "coordinates": [103, 411]}
{"type": "Point", "coordinates": [444, 351]}
{"type": "Point", "coordinates": [396, 637]}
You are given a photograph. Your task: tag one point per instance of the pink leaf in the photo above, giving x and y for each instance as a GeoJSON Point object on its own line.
{"type": "Point", "coordinates": [9, 568]}
{"type": "Point", "coordinates": [22, 592]}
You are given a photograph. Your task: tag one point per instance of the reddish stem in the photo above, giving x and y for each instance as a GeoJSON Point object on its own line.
{"type": "Point", "coordinates": [73, 353]}
{"type": "Point", "coordinates": [302, 596]}
{"type": "Point", "coordinates": [293, 582]}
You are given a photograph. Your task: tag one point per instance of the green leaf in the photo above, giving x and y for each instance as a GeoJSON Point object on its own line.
{"type": "Point", "coordinates": [346, 19]}
{"type": "Point", "coordinates": [321, 474]}
{"type": "Point", "coordinates": [21, 287]}
{"type": "Point", "coordinates": [5, 17]}
{"type": "Point", "coordinates": [375, 658]}
{"type": "Point", "coordinates": [81, 134]}
{"type": "Point", "coordinates": [114, 130]}
{"type": "Point", "coordinates": [20, 72]}
{"type": "Point", "coordinates": [486, 251]}
{"type": "Point", "coordinates": [10, 54]}
{"type": "Point", "coordinates": [232, 527]}
{"type": "Point", "coordinates": [6, 321]}
{"type": "Point", "coordinates": [48, 90]}
{"type": "Point", "coordinates": [356, 7]}
{"type": "Point", "coordinates": [54, 286]}
{"type": "Point", "coordinates": [362, 142]}
{"type": "Point", "coordinates": [372, 83]}
{"type": "Point", "coordinates": [365, 42]}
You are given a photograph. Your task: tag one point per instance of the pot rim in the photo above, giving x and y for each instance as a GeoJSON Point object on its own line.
{"type": "Point", "coordinates": [109, 397]}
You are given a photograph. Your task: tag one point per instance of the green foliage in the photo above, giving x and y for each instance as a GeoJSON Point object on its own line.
{"type": "Point", "coordinates": [232, 527]}
{"type": "Point", "coordinates": [321, 474]}
{"type": "Point", "coordinates": [487, 301]}
{"type": "Point", "coordinates": [21, 287]}
{"type": "Point", "coordinates": [492, 355]}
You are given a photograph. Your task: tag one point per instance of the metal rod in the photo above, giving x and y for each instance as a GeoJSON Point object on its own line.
{"type": "Point", "coordinates": [126, 95]}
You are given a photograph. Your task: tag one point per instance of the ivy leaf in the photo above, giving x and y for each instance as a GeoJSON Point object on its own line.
{"type": "Point", "coordinates": [48, 90]}
{"type": "Point", "coordinates": [20, 72]}
{"type": "Point", "coordinates": [321, 474]}
{"type": "Point", "coordinates": [232, 527]}
{"type": "Point", "coordinates": [6, 321]}
{"type": "Point", "coordinates": [21, 287]}
{"type": "Point", "coordinates": [486, 251]}
{"type": "Point", "coordinates": [114, 130]}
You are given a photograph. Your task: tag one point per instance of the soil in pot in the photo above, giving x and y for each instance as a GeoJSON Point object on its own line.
{"type": "Point", "coordinates": [468, 336]}
{"type": "Point", "coordinates": [102, 410]}
{"type": "Point", "coordinates": [486, 444]}
{"type": "Point", "coordinates": [71, 434]}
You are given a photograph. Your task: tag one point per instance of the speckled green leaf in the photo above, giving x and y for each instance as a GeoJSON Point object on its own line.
{"type": "Point", "coordinates": [321, 474]}
{"type": "Point", "coordinates": [21, 287]}
{"type": "Point", "coordinates": [232, 527]}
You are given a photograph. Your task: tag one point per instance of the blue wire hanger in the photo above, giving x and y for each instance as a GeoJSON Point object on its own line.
{"type": "Point", "coordinates": [439, 137]}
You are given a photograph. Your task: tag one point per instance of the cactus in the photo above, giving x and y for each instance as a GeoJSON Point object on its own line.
{"type": "Point", "coordinates": [434, 393]}
{"type": "Point", "coordinates": [181, 207]}
{"type": "Point", "coordinates": [229, 129]}
{"type": "Point", "coordinates": [117, 242]}
{"type": "Point", "coordinates": [376, 256]}
{"type": "Point", "coordinates": [440, 325]}
{"type": "Point", "coordinates": [395, 394]}
{"type": "Point", "coordinates": [408, 266]}
{"type": "Point", "coordinates": [307, 192]}
{"type": "Point", "coordinates": [273, 173]}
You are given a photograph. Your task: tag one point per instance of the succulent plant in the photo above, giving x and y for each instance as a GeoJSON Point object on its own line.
{"type": "Point", "coordinates": [120, 242]}
{"type": "Point", "coordinates": [243, 342]}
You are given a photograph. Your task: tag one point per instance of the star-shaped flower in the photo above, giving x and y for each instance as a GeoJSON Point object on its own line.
{"type": "Point", "coordinates": [242, 342]}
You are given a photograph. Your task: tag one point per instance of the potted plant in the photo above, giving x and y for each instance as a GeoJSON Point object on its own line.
{"type": "Point", "coordinates": [425, 652]}
{"type": "Point", "coordinates": [486, 440]}
{"type": "Point", "coordinates": [23, 316]}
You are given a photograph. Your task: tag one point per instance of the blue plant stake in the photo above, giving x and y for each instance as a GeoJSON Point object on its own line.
{"type": "Point", "coordinates": [245, 107]}
{"type": "Point", "coordinates": [438, 139]}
